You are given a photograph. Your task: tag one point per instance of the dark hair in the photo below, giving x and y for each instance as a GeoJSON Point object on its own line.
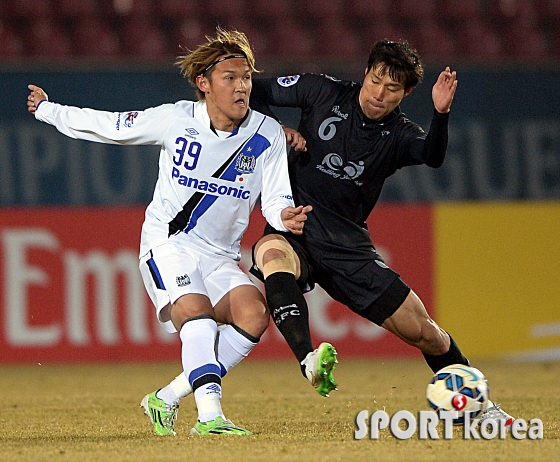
{"type": "Point", "coordinates": [399, 59]}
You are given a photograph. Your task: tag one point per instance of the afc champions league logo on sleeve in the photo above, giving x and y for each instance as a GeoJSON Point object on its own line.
{"type": "Point", "coordinates": [129, 118]}
{"type": "Point", "coordinates": [288, 80]}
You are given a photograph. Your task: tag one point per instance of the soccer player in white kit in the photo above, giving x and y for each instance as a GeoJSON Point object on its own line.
{"type": "Point", "coordinates": [217, 158]}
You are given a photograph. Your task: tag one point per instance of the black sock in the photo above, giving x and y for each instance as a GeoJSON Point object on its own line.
{"type": "Point", "coordinates": [289, 311]}
{"type": "Point", "coordinates": [453, 356]}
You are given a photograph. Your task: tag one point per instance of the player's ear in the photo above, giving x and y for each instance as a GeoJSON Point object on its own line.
{"type": "Point", "coordinates": [408, 91]}
{"type": "Point", "coordinates": [202, 83]}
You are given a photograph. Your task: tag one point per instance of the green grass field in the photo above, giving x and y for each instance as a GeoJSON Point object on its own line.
{"type": "Point", "coordinates": [92, 413]}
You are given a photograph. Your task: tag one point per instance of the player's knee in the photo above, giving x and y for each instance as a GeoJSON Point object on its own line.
{"type": "Point", "coordinates": [254, 319]}
{"type": "Point", "coordinates": [275, 256]}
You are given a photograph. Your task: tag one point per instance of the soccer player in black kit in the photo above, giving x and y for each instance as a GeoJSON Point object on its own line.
{"type": "Point", "coordinates": [351, 137]}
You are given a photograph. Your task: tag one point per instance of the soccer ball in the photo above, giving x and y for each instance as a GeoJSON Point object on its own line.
{"type": "Point", "coordinates": [459, 388]}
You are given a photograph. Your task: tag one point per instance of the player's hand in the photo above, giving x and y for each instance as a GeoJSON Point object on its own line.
{"type": "Point", "coordinates": [294, 139]}
{"type": "Point", "coordinates": [294, 218]}
{"type": "Point", "coordinates": [35, 97]}
{"type": "Point", "coordinates": [444, 90]}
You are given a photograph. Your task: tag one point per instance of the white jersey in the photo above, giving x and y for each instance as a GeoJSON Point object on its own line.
{"type": "Point", "coordinates": [208, 182]}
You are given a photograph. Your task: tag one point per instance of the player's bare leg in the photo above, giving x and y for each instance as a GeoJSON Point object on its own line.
{"type": "Point", "coordinates": [412, 324]}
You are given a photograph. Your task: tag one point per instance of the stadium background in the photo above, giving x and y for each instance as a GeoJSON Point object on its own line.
{"type": "Point", "coordinates": [477, 239]}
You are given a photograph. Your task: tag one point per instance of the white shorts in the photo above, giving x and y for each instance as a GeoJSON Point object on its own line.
{"type": "Point", "coordinates": [170, 271]}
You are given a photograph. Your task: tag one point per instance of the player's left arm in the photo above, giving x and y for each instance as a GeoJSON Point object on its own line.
{"type": "Point", "coordinates": [430, 148]}
{"type": "Point", "coordinates": [444, 90]}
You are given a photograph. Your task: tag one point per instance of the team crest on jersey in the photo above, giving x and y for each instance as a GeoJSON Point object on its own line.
{"type": "Point", "coordinates": [245, 164]}
{"type": "Point", "coordinates": [288, 80]}
{"type": "Point", "coordinates": [129, 119]}
{"type": "Point", "coordinates": [183, 281]}
{"type": "Point", "coordinates": [336, 167]}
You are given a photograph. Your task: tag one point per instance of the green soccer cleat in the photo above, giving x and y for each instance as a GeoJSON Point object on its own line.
{"type": "Point", "coordinates": [162, 415]}
{"type": "Point", "coordinates": [220, 426]}
{"type": "Point", "coordinates": [319, 367]}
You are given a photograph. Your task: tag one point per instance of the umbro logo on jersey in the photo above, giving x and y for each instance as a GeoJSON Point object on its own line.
{"type": "Point", "coordinates": [183, 281]}
{"type": "Point", "coordinates": [385, 133]}
{"type": "Point", "coordinates": [191, 131]}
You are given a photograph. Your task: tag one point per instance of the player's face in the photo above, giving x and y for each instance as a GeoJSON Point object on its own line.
{"type": "Point", "coordinates": [227, 93]}
{"type": "Point", "coordinates": [380, 94]}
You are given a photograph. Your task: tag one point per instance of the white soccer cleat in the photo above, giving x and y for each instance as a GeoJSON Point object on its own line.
{"type": "Point", "coordinates": [495, 412]}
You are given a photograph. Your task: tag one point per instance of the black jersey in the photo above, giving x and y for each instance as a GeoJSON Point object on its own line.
{"type": "Point", "coordinates": [348, 155]}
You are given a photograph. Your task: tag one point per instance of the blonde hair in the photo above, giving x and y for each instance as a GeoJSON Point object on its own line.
{"type": "Point", "coordinates": [205, 57]}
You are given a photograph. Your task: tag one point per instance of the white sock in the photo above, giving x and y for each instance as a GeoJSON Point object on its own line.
{"type": "Point", "coordinates": [198, 338]}
{"type": "Point", "coordinates": [207, 399]}
{"type": "Point", "coordinates": [232, 348]}
{"type": "Point", "coordinates": [168, 395]}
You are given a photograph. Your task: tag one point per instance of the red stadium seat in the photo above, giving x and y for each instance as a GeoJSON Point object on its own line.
{"type": "Point", "coordinates": [414, 10]}
{"type": "Point", "coordinates": [525, 41]}
{"type": "Point", "coordinates": [26, 9]}
{"type": "Point", "coordinates": [334, 39]}
{"type": "Point", "coordinates": [11, 45]}
{"type": "Point", "coordinates": [381, 30]}
{"type": "Point", "coordinates": [477, 41]}
{"type": "Point", "coordinates": [176, 10]}
{"type": "Point", "coordinates": [323, 9]}
{"type": "Point", "coordinates": [93, 37]}
{"type": "Point", "coordinates": [76, 9]}
{"type": "Point", "coordinates": [548, 9]}
{"type": "Point", "coordinates": [46, 39]}
{"type": "Point", "coordinates": [461, 10]}
{"type": "Point", "coordinates": [221, 12]}
{"type": "Point", "coordinates": [508, 10]}
{"type": "Point", "coordinates": [432, 41]}
{"type": "Point", "coordinates": [130, 8]}
{"type": "Point", "coordinates": [271, 9]}
{"type": "Point", "coordinates": [142, 38]}
{"type": "Point", "coordinates": [291, 39]}
{"type": "Point", "coordinates": [368, 10]}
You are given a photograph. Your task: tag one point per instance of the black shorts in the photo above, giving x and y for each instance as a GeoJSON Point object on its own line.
{"type": "Point", "coordinates": [357, 278]}
{"type": "Point", "coordinates": [305, 281]}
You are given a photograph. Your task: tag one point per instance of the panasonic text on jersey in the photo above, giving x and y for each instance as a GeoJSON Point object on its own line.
{"type": "Point", "coordinates": [211, 188]}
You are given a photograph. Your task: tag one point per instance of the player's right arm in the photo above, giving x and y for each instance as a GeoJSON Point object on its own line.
{"type": "Point", "coordinates": [133, 127]}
